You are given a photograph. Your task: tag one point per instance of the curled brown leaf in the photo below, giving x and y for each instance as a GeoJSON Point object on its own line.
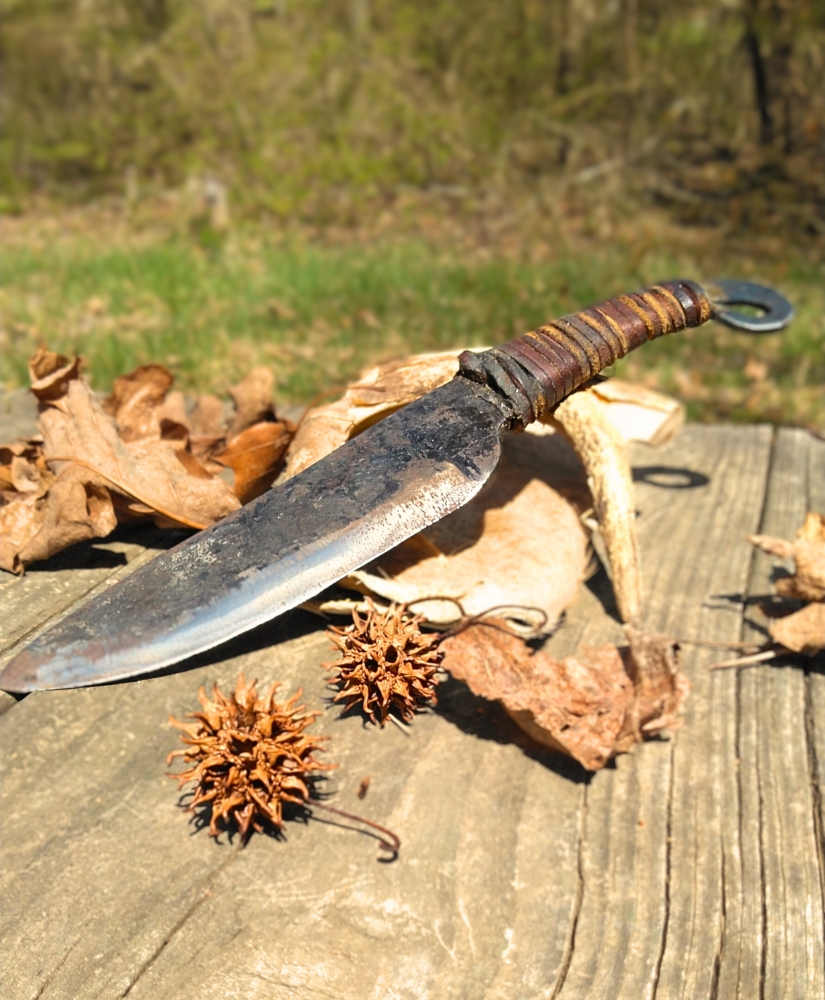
{"type": "Point", "coordinates": [136, 402]}
{"type": "Point", "coordinates": [591, 706]}
{"type": "Point", "coordinates": [51, 373]}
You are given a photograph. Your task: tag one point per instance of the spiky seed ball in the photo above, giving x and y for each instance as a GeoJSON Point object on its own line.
{"type": "Point", "coordinates": [249, 755]}
{"type": "Point", "coordinates": [387, 661]}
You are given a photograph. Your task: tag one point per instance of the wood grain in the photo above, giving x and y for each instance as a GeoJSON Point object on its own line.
{"type": "Point", "coordinates": [816, 676]}
{"type": "Point", "coordinates": [784, 878]}
{"type": "Point", "coordinates": [659, 930]}
{"type": "Point", "coordinates": [689, 869]}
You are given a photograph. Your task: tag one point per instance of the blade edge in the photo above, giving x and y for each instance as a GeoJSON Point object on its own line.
{"type": "Point", "coordinates": [54, 660]}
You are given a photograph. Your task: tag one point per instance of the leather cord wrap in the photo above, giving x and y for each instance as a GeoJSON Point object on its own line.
{"type": "Point", "coordinates": [536, 371]}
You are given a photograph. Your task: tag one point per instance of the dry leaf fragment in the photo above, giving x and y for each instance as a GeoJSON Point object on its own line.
{"type": "Point", "coordinates": [138, 454]}
{"type": "Point", "coordinates": [252, 397]}
{"type": "Point", "coordinates": [803, 631]}
{"type": "Point", "coordinates": [206, 417]}
{"type": "Point", "coordinates": [207, 434]}
{"type": "Point", "coordinates": [808, 553]}
{"type": "Point", "coordinates": [78, 507]}
{"type": "Point", "coordinates": [639, 413]}
{"type": "Point", "coordinates": [51, 373]}
{"type": "Point", "coordinates": [20, 520]}
{"type": "Point", "coordinates": [137, 400]}
{"type": "Point", "coordinates": [256, 457]}
{"type": "Point", "coordinates": [174, 409]}
{"type": "Point", "coordinates": [23, 469]}
{"type": "Point", "coordinates": [652, 663]}
{"type": "Point", "coordinates": [590, 707]}
{"type": "Point", "coordinates": [248, 755]}
{"type": "Point", "coordinates": [377, 393]}
{"type": "Point", "coordinates": [387, 662]}
{"type": "Point", "coordinates": [84, 477]}
{"type": "Point", "coordinates": [147, 470]}
{"type": "Point", "coordinates": [519, 543]}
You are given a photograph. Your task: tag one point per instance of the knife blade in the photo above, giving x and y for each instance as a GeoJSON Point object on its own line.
{"type": "Point", "coordinates": [378, 489]}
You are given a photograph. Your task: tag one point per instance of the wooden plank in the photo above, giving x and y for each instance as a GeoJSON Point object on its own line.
{"type": "Point", "coordinates": [518, 876]}
{"type": "Point", "coordinates": [781, 879]}
{"type": "Point", "coordinates": [107, 893]}
{"type": "Point", "coordinates": [703, 811]}
{"type": "Point", "coordinates": [651, 921]}
{"type": "Point", "coordinates": [816, 676]}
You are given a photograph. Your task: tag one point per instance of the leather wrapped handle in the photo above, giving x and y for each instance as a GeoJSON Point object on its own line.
{"type": "Point", "coordinates": [536, 371]}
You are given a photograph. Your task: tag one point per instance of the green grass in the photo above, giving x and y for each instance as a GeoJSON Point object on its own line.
{"type": "Point", "coordinates": [317, 314]}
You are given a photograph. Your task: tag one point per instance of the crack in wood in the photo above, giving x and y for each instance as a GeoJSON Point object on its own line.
{"type": "Point", "coordinates": [203, 889]}
{"type": "Point", "coordinates": [657, 968]}
{"type": "Point", "coordinates": [570, 943]}
{"type": "Point", "coordinates": [50, 977]}
{"type": "Point", "coordinates": [763, 933]}
{"type": "Point", "coordinates": [614, 907]}
{"type": "Point", "coordinates": [814, 770]}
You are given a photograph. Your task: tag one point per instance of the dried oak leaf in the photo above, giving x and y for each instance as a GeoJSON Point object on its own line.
{"type": "Point", "coordinates": [77, 507]}
{"type": "Point", "coordinates": [386, 662]}
{"type": "Point", "coordinates": [148, 472]}
{"type": "Point", "coordinates": [206, 417]}
{"type": "Point", "coordinates": [20, 521]}
{"type": "Point", "coordinates": [88, 478]}
{"type": "Point", "coordinates": [247, 755]}
{"type": "Point", "coordinates": [256, 457]}
{"type": "Point", "coordinates": [638, 413]}
{"type": "Point", "coordinates": [808, 554]}
{"type": "Point", "coordinates": [24, 479]}
{"type": "Point", "coordinates": [590, 707]}
{"type": "Point", "coordinates": [207, 433]}
{"type": "Point", "coordinates": [50, 374]}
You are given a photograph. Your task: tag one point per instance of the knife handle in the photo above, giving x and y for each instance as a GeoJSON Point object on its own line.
{"type": "Point", "coordinates": [536, 371]}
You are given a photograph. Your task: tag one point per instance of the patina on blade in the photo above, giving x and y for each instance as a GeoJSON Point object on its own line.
{"type": "Point", "coordinates": [390, 482]}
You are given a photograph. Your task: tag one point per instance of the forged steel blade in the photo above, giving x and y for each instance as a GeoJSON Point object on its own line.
{"type": "Point", "coordinates": [283, 548]}
{"type": "Point", "coordinates": [390, 482]}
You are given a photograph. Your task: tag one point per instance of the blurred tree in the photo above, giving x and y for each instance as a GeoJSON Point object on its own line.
{"type": "Point", "coordinates": [291, 101]}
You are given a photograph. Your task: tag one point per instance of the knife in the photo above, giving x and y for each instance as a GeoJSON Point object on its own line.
{"type": "Point", "coordinates": [393, 480]}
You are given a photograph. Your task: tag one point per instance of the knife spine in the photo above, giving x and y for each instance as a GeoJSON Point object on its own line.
{"type": "Point", "coordinates": [536, 371]}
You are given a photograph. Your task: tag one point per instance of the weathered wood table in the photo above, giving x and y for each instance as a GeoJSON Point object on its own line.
{"type": "Point", "coordinates": [693, 868]}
